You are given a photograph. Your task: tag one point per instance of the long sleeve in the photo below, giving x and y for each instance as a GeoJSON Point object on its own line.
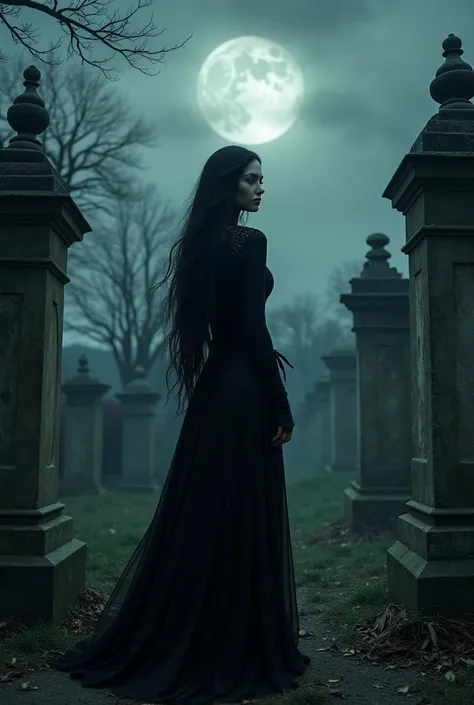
{"type": "Point", "coordinates": [254, 326]}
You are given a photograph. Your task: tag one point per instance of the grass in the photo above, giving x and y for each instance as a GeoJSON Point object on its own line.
{"type": "Point", "coordinates": [344, 581]}
{"type": "Point", "coordinates": [441, 691]}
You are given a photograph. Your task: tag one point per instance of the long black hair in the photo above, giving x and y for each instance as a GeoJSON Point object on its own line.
{"type": "Point", "coordinates": [189, 303]}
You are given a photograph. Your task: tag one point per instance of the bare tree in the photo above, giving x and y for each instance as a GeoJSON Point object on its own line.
{"type": "Point", "coordinates": [87, 25]}
{"type": "Point", "coordinates": [95, 139]}
{"type": "Point", "coordinates": [339, 283]}
{"type": "Point", "coordinates": [302, 331]}
{"type": "Point", "coordinates": [294, 327]}
{"type": "Point", "coordinates": [106, 300]}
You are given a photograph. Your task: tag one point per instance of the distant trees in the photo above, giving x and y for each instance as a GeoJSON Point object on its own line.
{"type": "Point", "coordinates": [105, 27]}
{"type": "Point", "coordinates": [339, 283]}
{"type": "Point", "coordinates": [302, 331]}
{"type": "Point", "coordinates": [106, 299]}
{"type": "Point", "coordinates": [95, 139]}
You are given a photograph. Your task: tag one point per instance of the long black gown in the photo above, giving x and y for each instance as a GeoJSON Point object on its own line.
{"type": "Point", "coordinates": [205, 610]}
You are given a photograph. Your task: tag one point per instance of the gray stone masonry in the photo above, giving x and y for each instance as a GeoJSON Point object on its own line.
{"type": "Point", "coordinates": [431, 566]}
{"type": "Point", "coordinates": [42, 567]}
{"type": "Point", "coordinates": [379, 303]}
{"type": "Point", "coordinates": [83, 433]}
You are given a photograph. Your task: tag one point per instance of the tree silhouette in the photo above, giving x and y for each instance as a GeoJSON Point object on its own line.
{"type": "Point", "coordinates": [106, 299]}
{"type": "Point", "coordinates": [89, 25]}
{"type": "Point", "coordinates": [339, 283]}
{"type": "Point", "coordinates": [95, 139]}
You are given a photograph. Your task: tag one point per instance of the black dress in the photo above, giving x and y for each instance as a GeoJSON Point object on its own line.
{"type": "Point", "coordinates": [206, 610]}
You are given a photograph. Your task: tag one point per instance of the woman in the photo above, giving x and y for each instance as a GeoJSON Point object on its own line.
{"type": "Point", "coordinates": [205, 609]}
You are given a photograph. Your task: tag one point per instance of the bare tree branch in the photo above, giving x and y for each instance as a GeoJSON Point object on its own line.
{"type": "Point", "coordinates": [113, 271]}
{"type": "Point", "coordinates": [95, 140]}
{"type": "Point", "coordinates": [302, 330]}
{"type": "Point", "coordinates": [89, 24]}
{"type": "Point", "coordinates": [339, 283]}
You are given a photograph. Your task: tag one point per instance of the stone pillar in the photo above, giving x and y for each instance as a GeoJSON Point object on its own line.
{"type": "Point", "coordinates": [84, 429]}
{"type": "Point", "coordinates": [323, 426]}
{"type": "Point", "coordinates": [342, 408]}
{"type": "Point", "coordinates": [431, 566]}
{"type": "Point", "coordinates": [138, 435]}
{"type": "Point", "coordinates": [379, 304]}
{"type": "Point", "coordinates": [42, 568]}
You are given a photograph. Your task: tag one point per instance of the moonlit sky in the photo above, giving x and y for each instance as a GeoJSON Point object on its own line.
{"type": "Point", "coordinates": [367, 66]}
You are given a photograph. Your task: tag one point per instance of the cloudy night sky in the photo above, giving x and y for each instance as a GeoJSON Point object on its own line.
{"type": "Point", "coordinates": [367, 66]}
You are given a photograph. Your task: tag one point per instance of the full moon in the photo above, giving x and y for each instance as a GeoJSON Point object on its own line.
{"type": "Point", "coordinates": [249, 90]}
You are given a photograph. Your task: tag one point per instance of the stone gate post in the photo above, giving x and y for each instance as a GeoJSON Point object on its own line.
{"type": "Point", "coordinates": [139, 434]}
{"type": "Point", "coordinates": [322, 422]}
{"type": "Point", "coordinates": [341, 364]}
{"type": "Point", "coordinates": [379, 304]}
{"type": "Point", "coordinates": [431, 566]}
{"type": "Point", "coordinates": [83, 433]}
{"type": "Point", "coordinates": [42, 567]}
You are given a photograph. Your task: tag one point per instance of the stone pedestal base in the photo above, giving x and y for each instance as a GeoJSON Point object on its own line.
{"type": "Point", "coordinates": [372, 510]}
{"type": "Point", "coordinates": [443, 587]}
{"type": "Point", "coordinates": [42, 587]}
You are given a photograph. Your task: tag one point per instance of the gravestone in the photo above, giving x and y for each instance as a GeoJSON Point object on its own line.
{"type": "Point", "coordinates": [341, 364]}
{"type": "Point", "coordinates": [322, 441]}
{"type": "Point", "coordinates": [431, 566]}
{"type": "Point", "coordinates": [42, 567]}
{"type": "Point", "coordinates": [139, 435]}
{"type": "Point", "coordinates": [83, 433]}
{"type": "Point", "coordinates": [379, 303]}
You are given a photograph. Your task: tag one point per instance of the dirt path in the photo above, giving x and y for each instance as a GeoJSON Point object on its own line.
{"type": "Point", "coordinates": [354, 683]}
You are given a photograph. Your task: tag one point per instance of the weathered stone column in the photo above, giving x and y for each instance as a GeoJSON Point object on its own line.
{"type": "Point", "coordinates": [431, 566]}
{"type": "Point", "coordinates": [42, 568]}
{"type": "Point", "coordinates": [380, 307]}
{"type": "Point", "coordinates": [323, 434]}
{"type": "Point", "coordinates": [138, 434]}
{"type": "Point", "coordinates": [341, 364]}
{"type": "Point", "coordinates": [84, 428]}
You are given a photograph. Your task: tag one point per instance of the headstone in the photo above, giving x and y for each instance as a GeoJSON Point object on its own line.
{"type": "Point", "coordinates": [380, 307]}
{"type": "Point", "coordinates": [341, 364]}
{"type": "Point", "coordinates": [431, 566]}
{"type": "Point", "coordinates": [139, 435]}
{"type": "Point", "coordinates": [322, 441]}
{"type": "Point", "coordinates": [42, 567]}
{"type": "Point", "coordinates": [83, 433]}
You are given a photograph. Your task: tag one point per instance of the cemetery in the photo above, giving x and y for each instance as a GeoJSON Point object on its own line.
{"type": "Point", "coordinates": [383, 533]}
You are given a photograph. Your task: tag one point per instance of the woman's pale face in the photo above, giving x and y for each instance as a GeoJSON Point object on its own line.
{"type": "Point", "coordinates": [250, 189]}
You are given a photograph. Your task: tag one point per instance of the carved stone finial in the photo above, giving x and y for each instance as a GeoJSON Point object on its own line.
{"type": "Point", "coordinates": [83, 365]}
{"type": "Point", "coordinates": [377, 265]}
{"type": "Point", "coordinates": [28, 116]}
{"type": "Point", "coordinates": [453, 86]}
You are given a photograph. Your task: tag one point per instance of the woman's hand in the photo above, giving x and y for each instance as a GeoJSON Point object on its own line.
{"type": "Point", "coordinates": [281, 437]}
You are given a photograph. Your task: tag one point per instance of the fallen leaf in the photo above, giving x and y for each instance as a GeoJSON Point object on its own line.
{"type": "Point", "coordinates": [337, 692]}
{"type": "Point", "coordinates": [404, 690]}
{"type": "Point", "coordinates": [26, 685]}
{"type": "Point", "coordinates": [112, 531]}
